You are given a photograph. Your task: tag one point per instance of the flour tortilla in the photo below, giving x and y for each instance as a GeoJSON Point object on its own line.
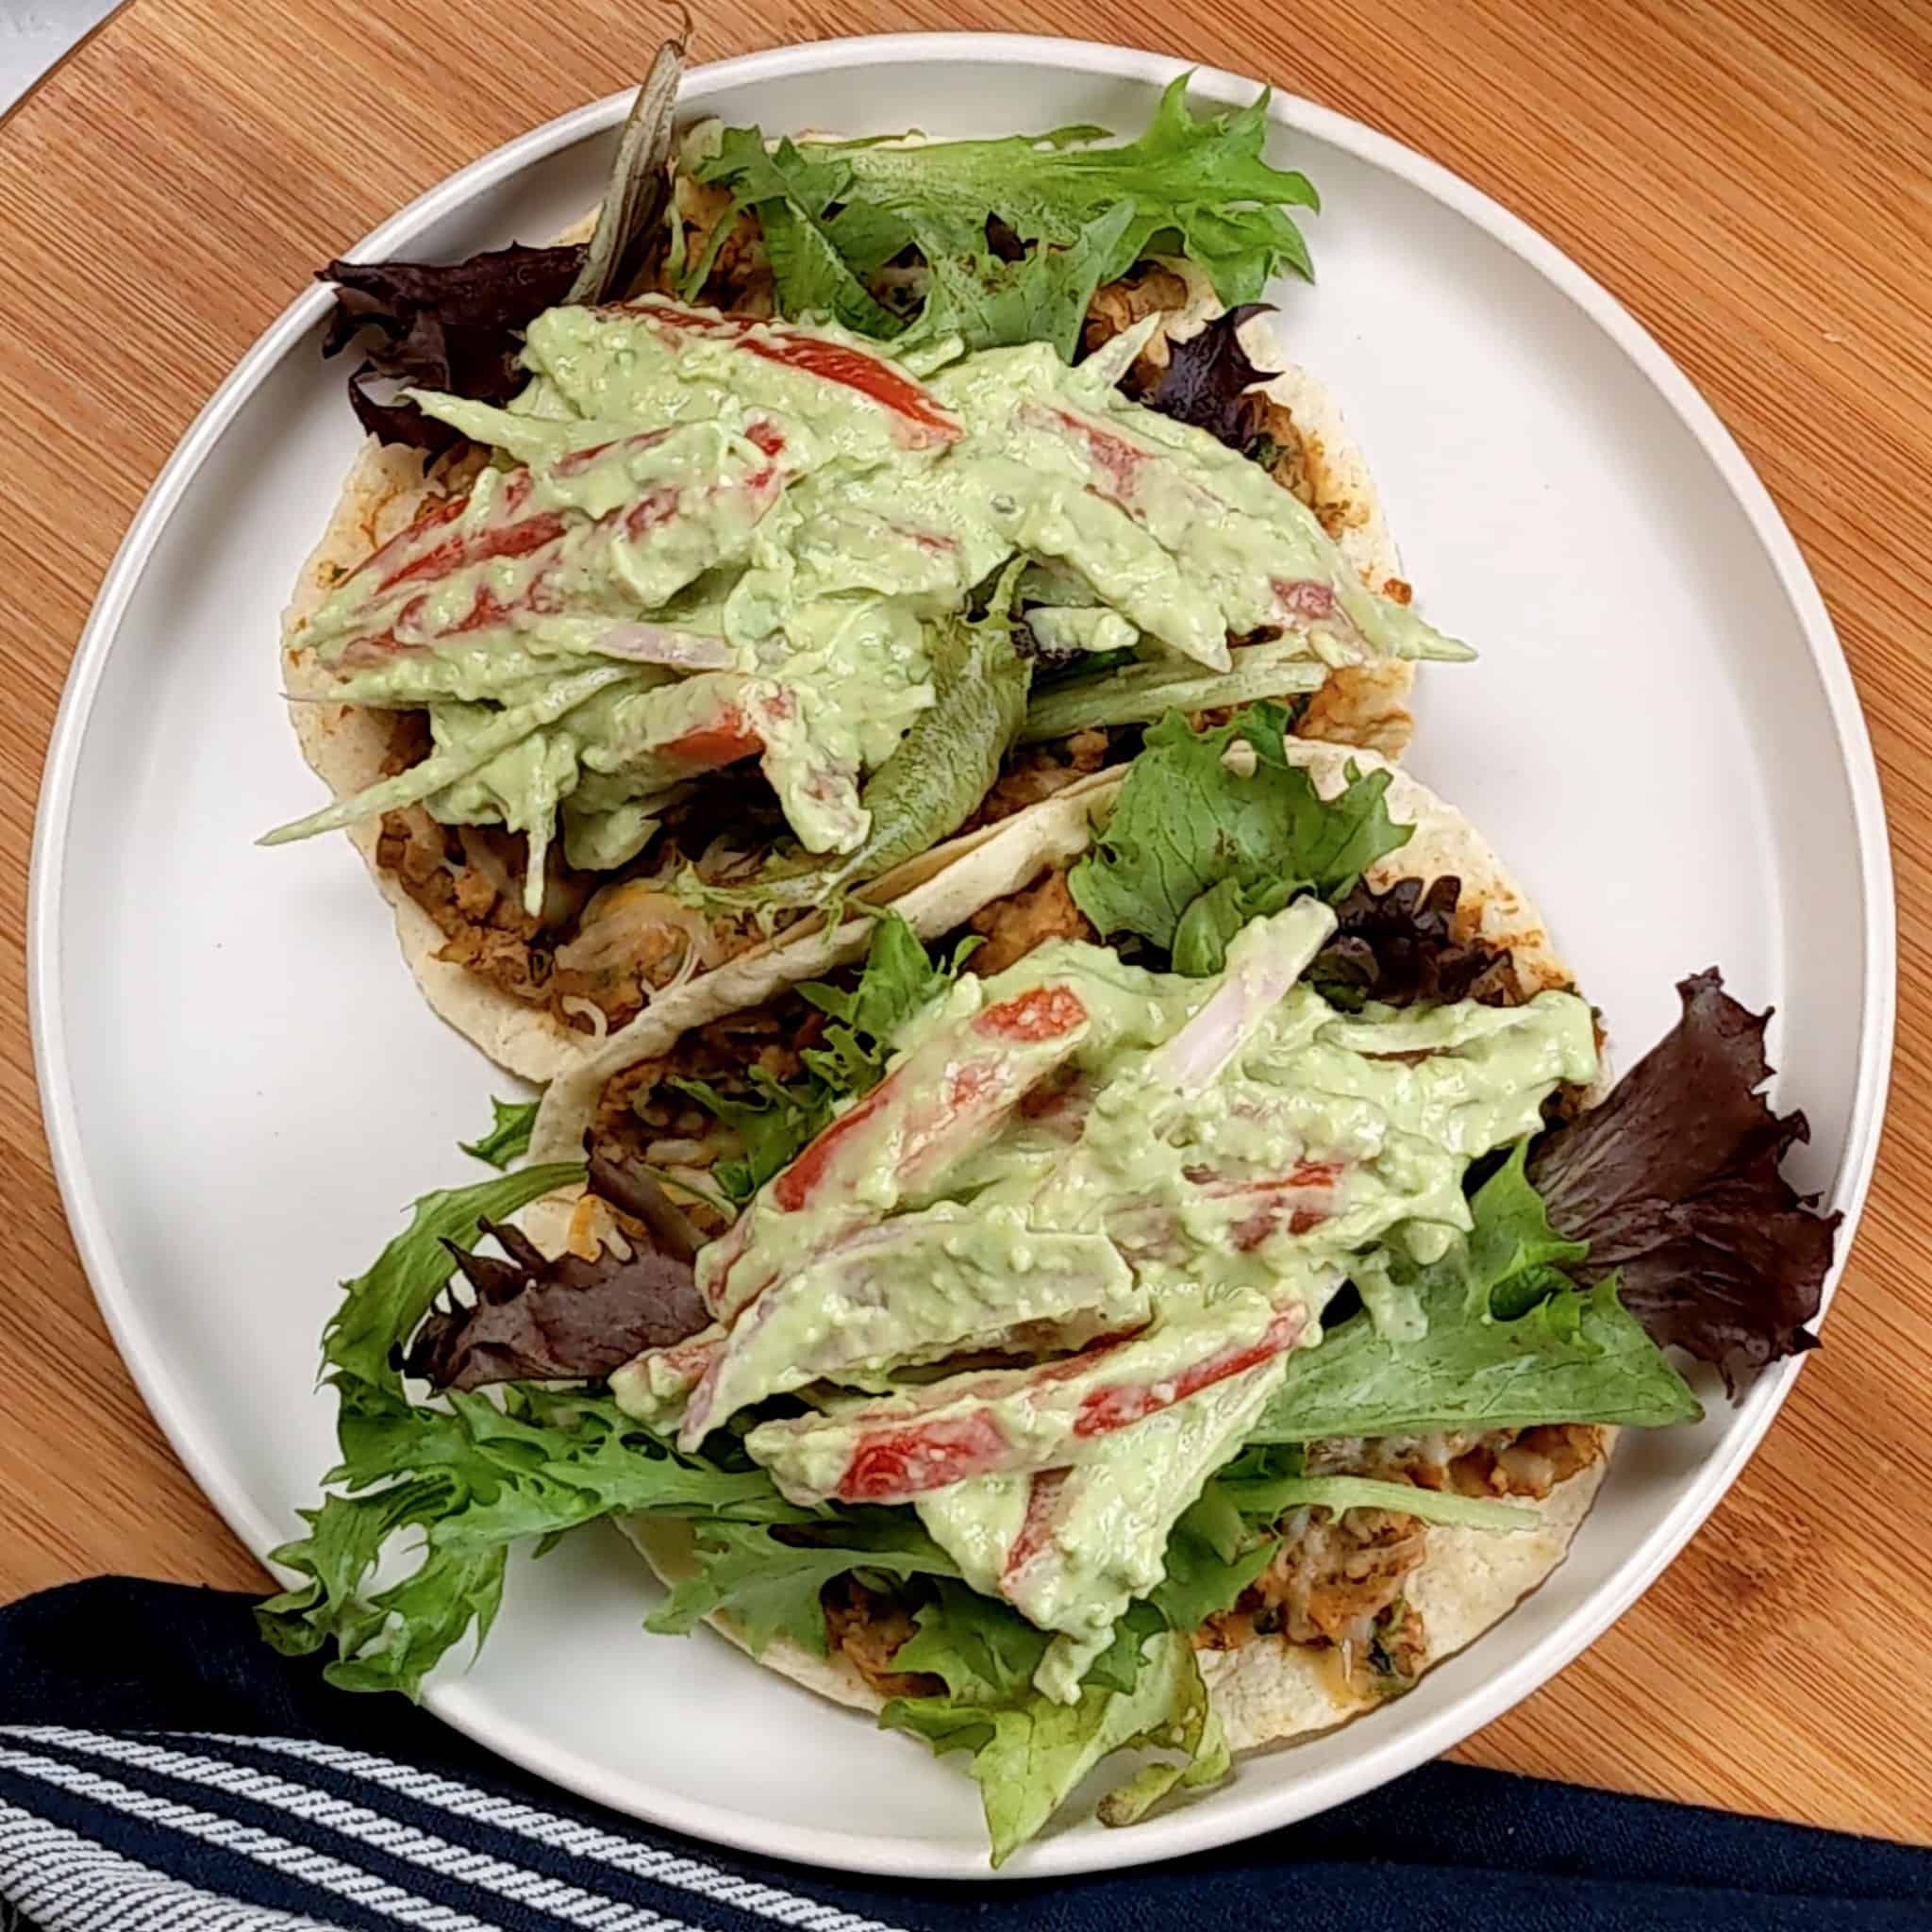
{"type": "Point", "coordinates": [1268, 1692]}
{"type": "Point", "coordinates": [346, 745]}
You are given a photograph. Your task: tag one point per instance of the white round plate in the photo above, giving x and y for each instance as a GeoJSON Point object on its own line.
{"type": "Point", "coordinates": [243, 1089]}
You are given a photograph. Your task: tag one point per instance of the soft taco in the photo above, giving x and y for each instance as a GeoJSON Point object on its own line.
{"type": "Point", "coordinates": [1176, 1323]}
{"type": "Point", "coordinates": [771, 532]}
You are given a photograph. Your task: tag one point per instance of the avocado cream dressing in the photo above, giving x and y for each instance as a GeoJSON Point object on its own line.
{"type": "Point", "coordinates": [775, 516]}
{"type": "Point", "coordinates": [1121, 1198]}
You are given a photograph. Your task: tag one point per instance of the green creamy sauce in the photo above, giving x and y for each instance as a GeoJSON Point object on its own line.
{"type": "Point", "coordinates": [1217, 1153]}
{"type": "Point", "coordinates": [1117, 1511]}
{"type": "Point", "coordinates": [800, 532]}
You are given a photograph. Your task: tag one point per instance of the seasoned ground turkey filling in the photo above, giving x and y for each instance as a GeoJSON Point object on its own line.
{"type": "Point", "coordinates": [469, 879]}
{"type": "Point", "coordinates": [645, 1120]}
{"type": "Point", "coordinates": [1337, 1581]}
{"type": "Point", "coordinates": [867, 1629]}
{"type": "Point", "coordinates": [1009, 929]}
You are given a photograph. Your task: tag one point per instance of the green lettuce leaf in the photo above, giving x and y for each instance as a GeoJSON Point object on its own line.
{"type": "Point", "coordinates": [983, 1649]}
{"type": "Point", "coordinates": [770, 1586]}
{"type": "Point", "coordinates": [1194, 850]}
{"type": "Point", "coordinates": [898, 979]}
{"type": "Point", "coordinates": [1028, 1754]}
{"type": "Point", "coordinates": [379, 1310]}
{"type": "Point", "coordinates": [509, 1140]}
{"type": "Point", "coordinates": [834, 213]}
{"type": "Point", "coordinates": [813, 273]}
{"type": "Point", "coordinates": [773, 1129]}
{"type": "Point", "coordinates": [1118, 1666]}
{"type": "Point", "coordinates": [1199, 187]}
{"type": "Point", "coordinates": [1212, 1556]}
{"type": "Point", "coordinates": [1042, 297]}
{"type": "Point", "coordinates": [475, 1479]}
{"type": "Point", "coordinates": [987, 1653]}
{"type": "Point", "coordinates": [1512, 1250]}
{"type": "Point", "coordinates": [471, 1477]}
{"type": "Point", "coordinates": [1268, 1501]}
{"type": "Point", "coordinates": [1491, 1359]}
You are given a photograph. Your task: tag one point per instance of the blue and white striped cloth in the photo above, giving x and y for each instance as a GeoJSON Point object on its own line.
{"type": "Point", "coordinates": [161, 1771]}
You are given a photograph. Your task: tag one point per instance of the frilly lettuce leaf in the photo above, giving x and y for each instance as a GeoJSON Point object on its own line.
{"type": "Point", "coordinates": [508, 1140]}
{"type": "Point", "coordinates": [1195, 849]}
{"type": "Point", "coordinates": [769, 1583]}
{"type": "Point", "coordinates": [899, 978]}
{"type": "Point", "coordinates": [1030, 1753]}
{"type": "Point", "coordinates": [1074, 212]}
{"type": "Point", "coordinates": [1198, 186]}
{"type": "Point", "coordinates": [818, 262]}
{"type": "Point", "coordinates": [472, 1477]}
{"type": "Point", "coordinates": [774, 1127]}
{"type": "Point", "coordinates": [1043, 296]}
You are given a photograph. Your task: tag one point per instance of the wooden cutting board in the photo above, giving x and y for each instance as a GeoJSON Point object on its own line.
{"type": "Point", "coordinates": [1749, 176]}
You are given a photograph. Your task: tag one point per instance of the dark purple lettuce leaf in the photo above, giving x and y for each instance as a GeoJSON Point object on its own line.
{"type": "Point", "coordinates": [1399, 946]}
{"type": "Point", "coordinates": [1673, 1181]}
{"type": "Point", "coordinates": [1207, 377]}
{"type": "Point", "coordinates": [455, 326]}
{"type": "Point", "coordinates": [562, 1319]}
{"type": "Point", "coordinates": [634, 1192]}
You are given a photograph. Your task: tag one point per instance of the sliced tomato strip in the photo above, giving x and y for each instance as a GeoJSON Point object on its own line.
{"type": "Point", "coordinates": [1043, 1499]}
{"type": "Point", "coordinates": [1043, 1012]}
{"type": "Point", "coordinates": [1107, 1409]}
{"type": "Point", "coordinates": [726, 740]}
{"type": "Point", "coordinates": [870, 376]}
{"type": "Point", "coordinates": [891, 1462]}
{"type": "Point", "coordinates": [574, 462]}
{"type": "Point", "coordinates": [505, 536]}
{"type": "Point", "coordinates": [800, 1181]}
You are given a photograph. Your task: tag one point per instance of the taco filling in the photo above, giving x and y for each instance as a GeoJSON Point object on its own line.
{"type": "Point", "coordinates": [732, 588]}
{"type": "Point", "coordinates": [1173, 1326]}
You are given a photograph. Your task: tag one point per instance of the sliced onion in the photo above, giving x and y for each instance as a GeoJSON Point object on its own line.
{"type": "Point", "coordinates": [619, 917]}
{"type": "Point", "coordinates": [659, 643]}
{"type": "Point", "coordinates": [482, 857]}
{"type": "Point", "coordinates": [577, 1006]}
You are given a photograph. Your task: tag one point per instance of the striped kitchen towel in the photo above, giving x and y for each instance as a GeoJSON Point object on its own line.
{"type": "Point", "coordinates": [161, 1770]}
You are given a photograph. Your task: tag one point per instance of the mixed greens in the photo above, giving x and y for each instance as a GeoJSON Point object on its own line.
{"type": "Point", "coordinates": [992, 242]}
{"type": "Point", "coordinates": [1004, 242]}
{"type": "Point", "coordinates": [1507, 1324]}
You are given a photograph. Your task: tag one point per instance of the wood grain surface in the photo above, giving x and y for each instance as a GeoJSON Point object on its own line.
{"type": "Point", "coordinates": [1751, 176]}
